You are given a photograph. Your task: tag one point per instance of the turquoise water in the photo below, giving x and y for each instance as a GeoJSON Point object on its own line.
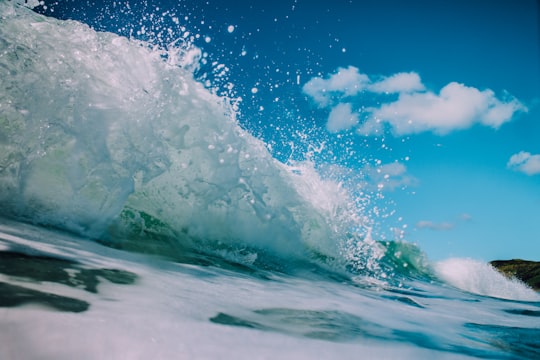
{"type": "Point", "coordinates": [140, 219]}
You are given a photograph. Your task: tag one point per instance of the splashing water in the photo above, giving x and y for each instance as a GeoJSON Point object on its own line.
{"type": "Point", "coordinates": [136, 143]}
{"type": "Point", "coordinates": [114, 139]}
{"type": "Point", "coordinates": [481, 278]}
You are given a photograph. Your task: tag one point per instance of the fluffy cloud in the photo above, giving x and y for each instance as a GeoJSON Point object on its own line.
{"type": "Point", "coordinates": [398, 83]}
{"type": "Point", "coordinates": [341, 118]}
{"type": "Point", "coordinates": [455, 106]}
{"type": "Point", "coordinates": [392, 169]}
{"type": "Point", "coordinates": [345, 83]}
{"type": "Point", "coordinates": [525, 162]}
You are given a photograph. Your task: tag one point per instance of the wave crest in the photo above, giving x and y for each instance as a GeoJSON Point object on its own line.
{"type": "Point", "coordinates": [108, 138]}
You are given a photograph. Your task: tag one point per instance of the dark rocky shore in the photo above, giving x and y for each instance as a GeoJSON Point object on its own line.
{"type": "Point", "coordinates": [526, 271]}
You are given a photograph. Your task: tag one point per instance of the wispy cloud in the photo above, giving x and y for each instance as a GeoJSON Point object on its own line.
{"type": "Point", "coordinates": [377, 178]}
{"type": "Point", "coordinates": [525, 162]}
{"type": "Point", "coordinates": [443, 226]}
{"type": "Point", "coordinates": [388, 177]}
{"type": "Point", "coordinates": [412, 108]}
{"type": "Point", "coordinates": [465, 217]}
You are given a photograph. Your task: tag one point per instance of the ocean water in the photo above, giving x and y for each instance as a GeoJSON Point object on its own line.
{"type": "Point", "coordinates": [140, 219]}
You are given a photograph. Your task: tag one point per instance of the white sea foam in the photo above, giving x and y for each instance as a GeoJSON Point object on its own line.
{"type": "Point", "coordinates": [167, 313]}
{"type": "Point", "coordinates": [101, 132]}
{"type": "Point", "coordinates": [481, 278]}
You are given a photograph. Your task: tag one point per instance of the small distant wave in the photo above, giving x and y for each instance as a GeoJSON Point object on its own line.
{"type": "Point", "coordinates": [483, 279]}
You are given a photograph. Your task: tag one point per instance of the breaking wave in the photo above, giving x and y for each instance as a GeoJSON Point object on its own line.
{"type": "Point", "coordinates": [115, 139]}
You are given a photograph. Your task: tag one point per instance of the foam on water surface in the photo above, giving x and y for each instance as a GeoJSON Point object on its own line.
{"type": "Point", "coordinates": [193, 311]}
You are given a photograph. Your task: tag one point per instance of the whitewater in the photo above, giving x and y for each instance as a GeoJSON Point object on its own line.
{"type": "Point", "coordinates": [138, 219]}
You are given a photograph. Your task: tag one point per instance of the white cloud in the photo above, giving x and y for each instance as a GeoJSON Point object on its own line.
{"type": "Point", "coordinates": [388, 176]}
{"type": "Point", "coordinates": [392, 169]}
{"type": "Point", "coordinates": [455, 107]}
{"type": "Point", "coordinates": [398, 83]}
{"type": "Point", "coordinates": [344, 83]}
{"type": "Point", "coordinates": [500, 112]}
{"type": "Point", "coordinates": [444, 225]}
{"type": "Point", "coordinates": [341, 118]}
{"type": "Point", "coordinates": [425, 224]}
{"type": "Point", "coordinates": [415, 110]}
{"type": "Point", "coordinates": [525, 162]}
{"type": "Point", "coordinates": [465, 217]}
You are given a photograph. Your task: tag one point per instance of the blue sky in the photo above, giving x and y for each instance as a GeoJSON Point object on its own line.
{"type": "Point", "coordinates": [438, 101]}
